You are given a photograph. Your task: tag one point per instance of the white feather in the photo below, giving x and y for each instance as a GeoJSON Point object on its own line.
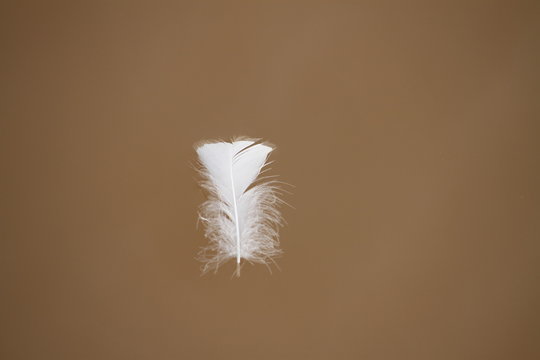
{"type": "Point", "coordinates": [240, 215]}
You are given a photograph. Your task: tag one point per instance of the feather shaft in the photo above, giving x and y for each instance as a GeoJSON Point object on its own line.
{"type": "Point", "coordinates": [235, 207]}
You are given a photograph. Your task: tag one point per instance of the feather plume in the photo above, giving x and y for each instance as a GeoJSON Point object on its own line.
{"type": "Point", "coordinates": [240, 215]}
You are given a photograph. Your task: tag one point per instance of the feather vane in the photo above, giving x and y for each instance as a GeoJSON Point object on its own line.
{"type": "Point", "coordinates": [240, 215]}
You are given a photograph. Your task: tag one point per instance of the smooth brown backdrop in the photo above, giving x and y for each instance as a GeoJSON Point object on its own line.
{"type": "Point", "coordinates": [411, 133]}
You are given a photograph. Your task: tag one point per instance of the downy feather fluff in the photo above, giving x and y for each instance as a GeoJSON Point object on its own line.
{"type": "Point", "coordinates": [240, 215]}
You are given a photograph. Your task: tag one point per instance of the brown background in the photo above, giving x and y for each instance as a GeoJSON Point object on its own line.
{"type": "Point", "coordinates": [411, 132]}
